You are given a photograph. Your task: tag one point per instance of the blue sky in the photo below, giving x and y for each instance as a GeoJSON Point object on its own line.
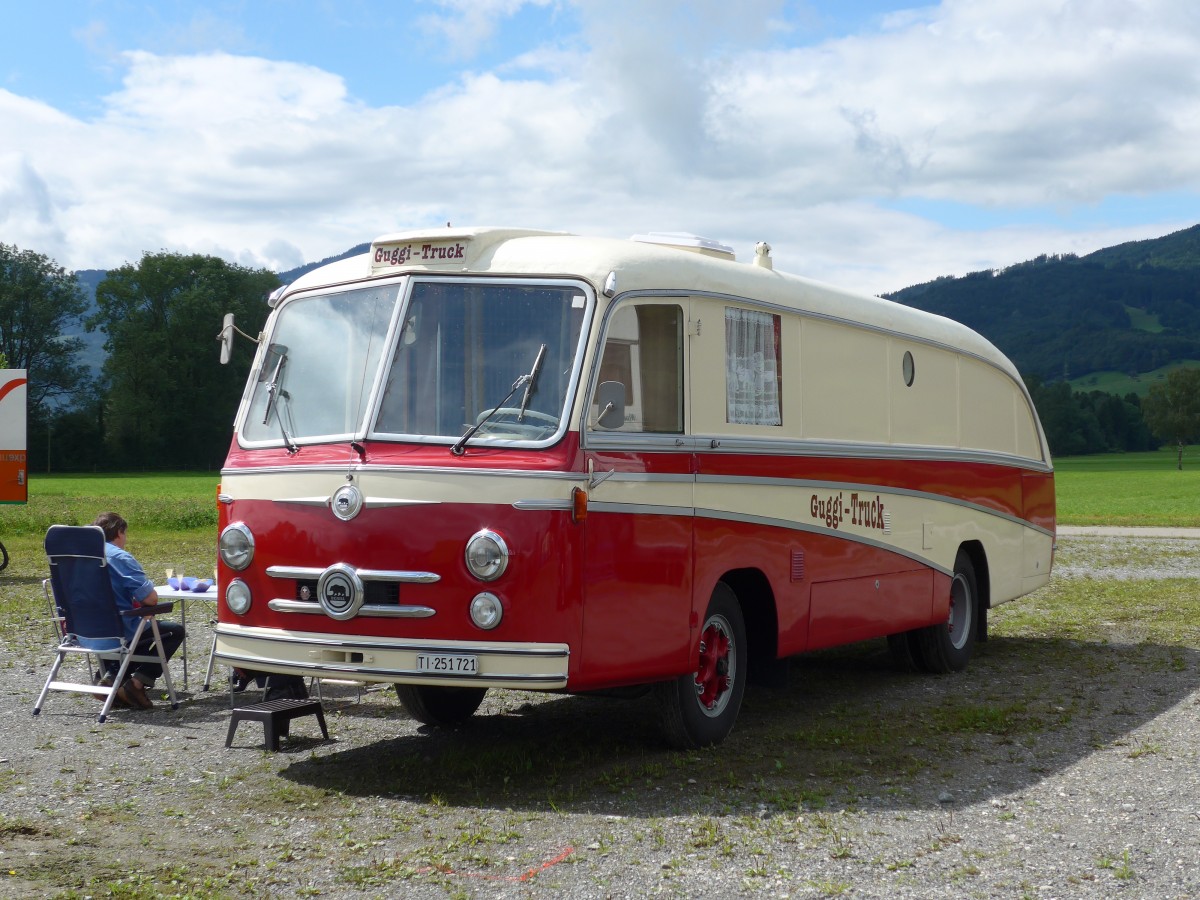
{"type": "Point", "coordinates": [873, 144]}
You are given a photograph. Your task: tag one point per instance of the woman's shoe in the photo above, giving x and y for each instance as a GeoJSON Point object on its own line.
{"type": "Point", "coordinates": [134, 693]}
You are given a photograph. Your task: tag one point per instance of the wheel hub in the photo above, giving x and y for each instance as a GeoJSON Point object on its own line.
{"type": "Point", "coordinates": [712, 677]}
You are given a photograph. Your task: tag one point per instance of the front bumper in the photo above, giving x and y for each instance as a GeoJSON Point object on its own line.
{"type": "Point", "coordinates": [500, 664]}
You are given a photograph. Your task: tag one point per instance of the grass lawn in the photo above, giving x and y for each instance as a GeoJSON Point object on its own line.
{"type": "Point", "coordinates": [150, 502]}
{"type": "Point", "coordinates": [1129, 489]}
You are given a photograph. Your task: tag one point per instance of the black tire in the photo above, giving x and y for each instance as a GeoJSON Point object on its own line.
{"type": "Point", "coordinates": [905, 649]}
{"type": "Point", "coordinates": [3, 558]}
{"type": "Point", "coordinates": [699, 709]}
{"type": "Point", "coordinates": [441, 706]}
{"type": "Point", "coordinates": [948, 647]}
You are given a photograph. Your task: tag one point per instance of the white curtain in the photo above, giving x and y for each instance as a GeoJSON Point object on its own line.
{"type": "Point", "coordinates": [751, 367]}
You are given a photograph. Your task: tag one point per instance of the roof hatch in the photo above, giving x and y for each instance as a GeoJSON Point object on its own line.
{"type": "Point", "coordinates": [693, 243]}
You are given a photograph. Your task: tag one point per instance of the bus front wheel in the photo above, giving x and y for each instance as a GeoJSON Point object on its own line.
{"type": "Point", "coordinates": [441, 706]}
{"type": "Point", "coordinates": [947, 647]}
{"type": "Point", "coordinates": [699, 709]}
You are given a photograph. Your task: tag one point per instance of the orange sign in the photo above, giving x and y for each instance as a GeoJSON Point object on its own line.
{"type": "Point", "coordinates": [14, 483]}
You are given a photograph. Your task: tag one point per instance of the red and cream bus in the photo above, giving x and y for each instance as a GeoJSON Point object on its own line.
{"type": "Point", "coordinates": [496, 458]}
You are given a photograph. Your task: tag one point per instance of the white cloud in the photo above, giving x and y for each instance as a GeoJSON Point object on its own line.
{"type": "Point", "coordinates": [694, 120]}
{"type": "Point", "coordinates": [465, 26]}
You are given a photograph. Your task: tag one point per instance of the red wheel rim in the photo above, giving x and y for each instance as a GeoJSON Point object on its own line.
{"type": "Point", "coordinates": [718, 666]}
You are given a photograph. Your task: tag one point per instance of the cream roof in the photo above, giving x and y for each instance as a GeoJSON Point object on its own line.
{"type": "Point", "coordinates": [647, 266]}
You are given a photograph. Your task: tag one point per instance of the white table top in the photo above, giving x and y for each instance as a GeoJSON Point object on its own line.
{"type": "Point", "coordinates": [169, 593]}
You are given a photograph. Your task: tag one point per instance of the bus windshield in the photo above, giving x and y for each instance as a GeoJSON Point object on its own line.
{"type": "Point", "coordinates": [320, 365]}
{"type": "Point", "coordinates": [459, 351]}
{"type": "Point", "coordinates": [463, 348]}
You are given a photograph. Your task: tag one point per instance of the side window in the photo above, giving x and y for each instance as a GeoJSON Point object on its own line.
{"type": "Point", "coordinates": [753, 371]}
{"type": "Point", "coordinates": [640, 388]}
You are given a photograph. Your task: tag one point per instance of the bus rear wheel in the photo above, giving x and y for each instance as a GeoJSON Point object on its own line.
{"type": "Point", "coordinates": [441, 706]}
{"type": "Point", "coordinates": [947, 647]}
{"type": "Point", "coordinates": [699, 709]}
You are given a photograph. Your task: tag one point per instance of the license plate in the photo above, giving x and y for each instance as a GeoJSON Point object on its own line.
{"type": "Point", "coordinates": [447, 663]}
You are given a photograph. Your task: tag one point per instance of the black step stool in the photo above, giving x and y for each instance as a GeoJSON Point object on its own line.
{"type": "Point", "coordinates": [276, 716]}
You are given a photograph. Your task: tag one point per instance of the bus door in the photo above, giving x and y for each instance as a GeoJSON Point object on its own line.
{"type": "Point", "coordinates": [638, 548]}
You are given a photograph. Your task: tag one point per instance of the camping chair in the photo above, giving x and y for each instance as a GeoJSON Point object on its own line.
{"type": "Point", "coordinates": [91, 622]}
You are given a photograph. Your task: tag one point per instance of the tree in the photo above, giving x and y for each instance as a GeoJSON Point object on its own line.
{"type": "Point", "coordinates": [39, 301]}
{"type": "Point", "coordinates": [170, 404]}
{"type": "Point", "coordinates": [1094, 422]}
{"type": "Point", "coordinates": [1172, 409]}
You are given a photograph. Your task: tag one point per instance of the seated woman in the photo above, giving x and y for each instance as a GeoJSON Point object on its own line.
{"type": "Point", "coordinates": [132, 588]}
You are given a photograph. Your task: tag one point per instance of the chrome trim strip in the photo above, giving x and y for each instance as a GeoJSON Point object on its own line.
{"type": "Point", "coordinates": [368, 502]}
{"type": "Point", "coordinates": [408, 675]}
{"type": "Point", "coordinates": [544, 505]}
{"type": "Point", "coordinates": [400, 577]}
{"type": "Point", "coordinates": [655, 477]}
{"type": "Point", "coordinates": [643, 509]}
{"type": "Point", "coordinates": [385, 502]}
{"type": "Point", "coordinates": [634, 443]}
{"type": "Point", "coordinates": [234, 632]}
{"type": "Point", "coordinates": [402, 470]}
{"type": "Point", "coordinates": [371, 610]}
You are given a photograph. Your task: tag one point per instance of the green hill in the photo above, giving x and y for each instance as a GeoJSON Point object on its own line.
{"type": "Point", "coordinates": [1132, 309]}
{"type": "Point", "coordinates": [1121, 384]}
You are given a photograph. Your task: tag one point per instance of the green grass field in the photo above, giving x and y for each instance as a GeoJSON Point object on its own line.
{"type": "Point", "coordinates": [153, 502]}
{"type": "Point", "coordinates": [1129, 489]}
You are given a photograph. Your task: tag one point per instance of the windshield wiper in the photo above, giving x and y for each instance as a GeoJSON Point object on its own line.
{"type": "Point", "coordinates": [531, 385]}
{"type": "Point", "coordinates": [275, 392]}
{"type": "Point", "coordinates": [273, 386]}
{"type": "Point", "coordinates": [283, 428]}
{"type": "Point", "coordinates": [525, 381]}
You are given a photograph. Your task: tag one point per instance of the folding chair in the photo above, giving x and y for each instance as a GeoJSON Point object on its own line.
{"type": "Point", "coordinates": [91, 622]}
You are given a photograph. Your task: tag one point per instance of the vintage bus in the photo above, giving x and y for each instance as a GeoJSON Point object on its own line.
{"type": "Point", "coordinates": [496, 458]}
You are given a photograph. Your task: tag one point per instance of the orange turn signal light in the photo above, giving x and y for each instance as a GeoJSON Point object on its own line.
{"type": "Point", "coordinates": [579, 500]}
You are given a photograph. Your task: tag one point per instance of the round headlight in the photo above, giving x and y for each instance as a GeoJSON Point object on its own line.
{"type": "Point", "coordinates": [236, 546]}
{"type": "Point", "coordinates": [237, 597]}
{"type": "Point", "coordinates": [487, 555]}
{"type": "Point", "coordinates": [486, 610]}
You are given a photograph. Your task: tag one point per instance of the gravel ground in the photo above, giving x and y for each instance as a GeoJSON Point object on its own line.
{"type": "Point", "coordinates": [1047, 770]}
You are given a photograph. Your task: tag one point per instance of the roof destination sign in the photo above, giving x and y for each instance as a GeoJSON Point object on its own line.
{"type": "Point", "coordinates": [391, 254]}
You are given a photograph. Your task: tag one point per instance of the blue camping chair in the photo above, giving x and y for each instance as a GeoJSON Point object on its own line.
{"type": "Point", "coordinates": [91, 623]}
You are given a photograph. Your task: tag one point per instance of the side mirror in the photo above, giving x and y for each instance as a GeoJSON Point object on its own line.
{"type": "Point", "coordinates": [226, 338]}
{"type": "Point", "coordinates": [610, 397]}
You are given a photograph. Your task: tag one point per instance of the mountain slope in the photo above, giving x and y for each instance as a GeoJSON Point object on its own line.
{"type": "Point", "coordinates": [1130, 308]}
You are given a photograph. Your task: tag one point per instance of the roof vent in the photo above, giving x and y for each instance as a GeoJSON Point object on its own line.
{"type": "Point", "coordinates": [762, 255]}
{"type": "Point", "coordinates": [682, 240]}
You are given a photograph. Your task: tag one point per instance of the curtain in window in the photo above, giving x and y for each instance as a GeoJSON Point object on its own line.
{"type": "Point", "coordinates": [751, 367]}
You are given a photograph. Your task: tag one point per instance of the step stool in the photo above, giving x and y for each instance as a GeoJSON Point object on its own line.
{"type": "Point", "coordinates": [276, 716]}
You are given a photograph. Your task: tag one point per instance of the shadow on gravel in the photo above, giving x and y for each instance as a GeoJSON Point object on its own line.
{"type": "Point", "coordinates": [847, 732]}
